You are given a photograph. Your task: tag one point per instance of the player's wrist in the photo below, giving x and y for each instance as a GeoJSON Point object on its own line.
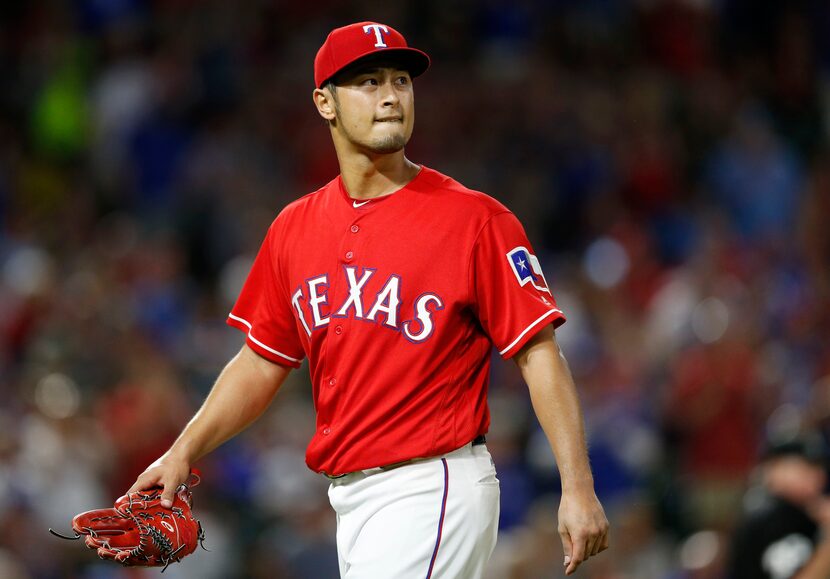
{"type": "Point", "coordinates": [181, 452]}
{"type": "Point", "coordinates": [578, 485]}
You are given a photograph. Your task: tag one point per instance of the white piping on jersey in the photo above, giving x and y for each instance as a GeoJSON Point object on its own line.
{"type": "Point", "coordinates": [530, 327]}
{"type": "Point", "coordinates": [257, 342]}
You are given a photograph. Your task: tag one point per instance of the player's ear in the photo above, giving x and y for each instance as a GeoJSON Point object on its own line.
{"type": "Point", "coordinates": [324, 101]}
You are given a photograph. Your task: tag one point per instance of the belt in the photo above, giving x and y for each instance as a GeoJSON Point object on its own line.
{"type": "Point", "coordinates": [478, 440]}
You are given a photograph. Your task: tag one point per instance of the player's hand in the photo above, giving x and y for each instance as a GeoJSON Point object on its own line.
{"type": "Point", "coordinates": [583, 527]}
{"type": "Point", "coordinates": [168, 473]}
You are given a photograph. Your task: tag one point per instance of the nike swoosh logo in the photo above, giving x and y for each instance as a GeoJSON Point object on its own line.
{"type": "Point", "coordinates": [356, 204]}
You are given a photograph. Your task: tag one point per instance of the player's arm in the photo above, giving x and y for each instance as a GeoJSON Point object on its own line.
{"type": "Point", "coordinates": [243, 391]}
{"type": "Point", "coordinates": [582, 522]}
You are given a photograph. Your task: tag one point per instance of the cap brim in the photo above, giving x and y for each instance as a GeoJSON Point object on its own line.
{"type": "Point", "coordinates": [414, 61]}
{"type": "Point", "coordinates": [809, 450]}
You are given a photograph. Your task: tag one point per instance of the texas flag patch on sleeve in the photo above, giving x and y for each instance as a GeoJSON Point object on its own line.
{"type": "Point", "coordinates": [527, 269]}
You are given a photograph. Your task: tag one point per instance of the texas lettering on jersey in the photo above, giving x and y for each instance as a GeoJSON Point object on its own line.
{"type": "Point", "coordinates": [311, 304]}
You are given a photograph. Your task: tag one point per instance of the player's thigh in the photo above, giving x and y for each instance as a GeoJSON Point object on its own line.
{"type": "Point", "coordinates": [472, 516]}
{"type": "Point", "coordinates": [439, 520]}
{"type": "Point", "coordinates": [393, 533]}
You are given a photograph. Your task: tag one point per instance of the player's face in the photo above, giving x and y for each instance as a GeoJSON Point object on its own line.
{"type": "Point", "coordinates": [374, 109]}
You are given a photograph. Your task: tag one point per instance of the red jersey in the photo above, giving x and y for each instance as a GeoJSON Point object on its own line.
{"type": "Point", "coordinates": [396, 303]}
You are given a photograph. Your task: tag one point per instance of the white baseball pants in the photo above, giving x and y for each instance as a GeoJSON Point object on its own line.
{"type": "Point", "coordinates": [432, 519]}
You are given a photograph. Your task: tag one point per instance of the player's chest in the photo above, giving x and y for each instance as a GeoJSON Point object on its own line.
{"type": "Point", "coordinates": [391, 274]}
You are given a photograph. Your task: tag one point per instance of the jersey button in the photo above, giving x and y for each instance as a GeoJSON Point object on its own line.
{"type": "Point", "coordinates": [349, 255]}
{"type": "Point", "coordinates": [327, 431]}
{"type": "Point", "coordinates": [338, 330]}
{"type": "Point", "coordinates": [333, 382]}
{"type": "Point", "coordinates": [355, 228]}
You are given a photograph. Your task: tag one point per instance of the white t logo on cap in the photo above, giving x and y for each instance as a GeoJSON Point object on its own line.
{"type": "Point", "coordinates": [377, 28]}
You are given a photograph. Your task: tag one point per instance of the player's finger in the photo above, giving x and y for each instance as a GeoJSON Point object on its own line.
{"type": "Point", "coordinates": [567, 546]}
{"type": "Point", "coordinates": [577, 555]}
{"type": "Point", "coordinates": [144, 482]}
{"type": "Point", "coordinates": [591, 545]}
{"type": "Point", "coordinates": [168, 493]}
{"type": "Point", "coordinates": [601, 541]}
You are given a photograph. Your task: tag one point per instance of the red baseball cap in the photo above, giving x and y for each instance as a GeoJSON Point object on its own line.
{"type": "Point", "coordinates": [347, 45]}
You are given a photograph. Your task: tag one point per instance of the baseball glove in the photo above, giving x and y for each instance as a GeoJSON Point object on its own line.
{"type": "Point", "coordinates": [138, 531]}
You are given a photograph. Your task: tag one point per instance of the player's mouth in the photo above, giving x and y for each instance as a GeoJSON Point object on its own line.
{"type": "Point", "coordinates": [390, 120]}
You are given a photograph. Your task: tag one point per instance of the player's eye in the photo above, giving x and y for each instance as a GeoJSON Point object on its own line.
{"type": "Point", "coordinates": [369, 81]}
{"type": "Point", "coordinates": [402, 80]}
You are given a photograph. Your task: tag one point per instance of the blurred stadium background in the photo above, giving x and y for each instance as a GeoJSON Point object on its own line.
{"type": "Point", "coordinates": [669, 159]}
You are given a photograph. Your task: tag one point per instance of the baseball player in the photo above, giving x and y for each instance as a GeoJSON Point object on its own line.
{"type": "Point", "coordinates": [396, 281]}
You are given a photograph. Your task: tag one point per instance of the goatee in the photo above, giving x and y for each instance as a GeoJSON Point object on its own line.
{"type": "Point", "coordinates": [388, 144]}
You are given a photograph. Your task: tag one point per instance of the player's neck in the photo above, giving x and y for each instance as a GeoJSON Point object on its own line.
{"type": "Point", "coordinates": [369, 177]}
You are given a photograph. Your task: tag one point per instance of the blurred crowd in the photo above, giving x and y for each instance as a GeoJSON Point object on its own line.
{"type": "Point", "coordinates": [670, 160]}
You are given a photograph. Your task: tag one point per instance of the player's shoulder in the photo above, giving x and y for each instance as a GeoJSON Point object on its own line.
{"type": "Point", "coordinates": [452, 194]}
{"type": "Point", "coordinates": [308, 202]}
{"type": "Point", "coordinates": [311, 198]}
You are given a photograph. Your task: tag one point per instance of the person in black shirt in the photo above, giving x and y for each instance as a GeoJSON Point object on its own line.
{"type": "Point", "coordinates": [785, 529]}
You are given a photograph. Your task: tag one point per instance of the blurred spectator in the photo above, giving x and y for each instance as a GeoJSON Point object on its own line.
{"type": "Point", "coordinates": [712, 415]}
{"type": "Point", "coordinates": [781, 533]}
{"type": "Point", "coordinates": [757, 179]}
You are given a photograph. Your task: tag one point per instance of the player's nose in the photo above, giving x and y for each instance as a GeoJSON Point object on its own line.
{"type": "Point", "coordinates": [388, 94]}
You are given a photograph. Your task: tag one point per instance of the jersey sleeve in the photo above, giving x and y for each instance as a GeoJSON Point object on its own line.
{"type": "Point", "coordinates": [263, 310]}
{"type": "Point", "coordinates": [512, 298]}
